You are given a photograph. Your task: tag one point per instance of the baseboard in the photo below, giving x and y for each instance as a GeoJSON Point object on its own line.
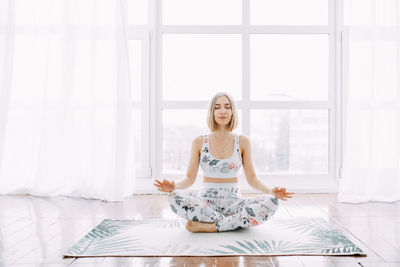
{"type": "Point", "coordinates": [300, 186]}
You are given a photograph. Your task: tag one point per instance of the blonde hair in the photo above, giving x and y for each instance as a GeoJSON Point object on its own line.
{"type": "Point", "coordinates": [211, 123]}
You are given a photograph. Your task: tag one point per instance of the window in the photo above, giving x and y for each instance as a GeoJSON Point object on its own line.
{"type": "Point", "coordinates": [278, 59]}
{"type": "Point", "coordinates": [289, 12]}
{"type": "Point", "coordinates": [194, 66]}
{"type": "Point", "coordinates": [139, 59]}
{"type": "Point", "coordinates": [289, 67]}
{"type": "Point", "coordinates": [139, 67]}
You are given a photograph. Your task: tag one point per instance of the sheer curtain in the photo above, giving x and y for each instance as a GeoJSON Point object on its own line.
{"type": "Point", "coordinates": [371, 165]}
{"type": "Point", "coordinates": [65, 105]}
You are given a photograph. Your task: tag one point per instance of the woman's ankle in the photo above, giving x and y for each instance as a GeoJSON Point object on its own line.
{"type": "Point", "coordinates": [201, 227]}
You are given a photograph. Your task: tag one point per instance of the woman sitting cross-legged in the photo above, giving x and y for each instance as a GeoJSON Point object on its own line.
{"type": "Point", "coordinates": [219, 206]}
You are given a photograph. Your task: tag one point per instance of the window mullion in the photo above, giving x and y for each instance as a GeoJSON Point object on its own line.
{"type": "Point", "coordinates": [246, 68]}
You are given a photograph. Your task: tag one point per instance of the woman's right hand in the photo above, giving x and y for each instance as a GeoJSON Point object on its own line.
{"type": "Point", "coordinates": [280, 192]}
{"type": "Point", "coordinates": [165, 186]}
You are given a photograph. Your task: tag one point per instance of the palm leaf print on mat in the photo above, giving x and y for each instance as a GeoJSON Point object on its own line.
{"type": "Point", "coordinates": [256, 247]}
{"type": "Point", "coordinates": [173, 224]}
{"type": "Point", "coordinates": [168, 237]}
{"type": "Point", "coordinates": [323, 235]}
{"type": "Point", "coordinates": [93, 243]}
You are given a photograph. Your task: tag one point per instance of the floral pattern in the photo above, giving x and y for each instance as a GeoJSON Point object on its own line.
{"type": "Point", "coordinates": [213, 162]}
{"type": "Point", "coordinates": [220, 168]}
{"type": "Point", "coordinates": [224, 206]}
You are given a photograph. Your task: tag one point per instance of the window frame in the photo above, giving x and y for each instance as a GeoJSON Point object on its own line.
{"type": "Point", "coordinates": [315, 182]}
{"type": "Point", "coordinates": [143, 35]}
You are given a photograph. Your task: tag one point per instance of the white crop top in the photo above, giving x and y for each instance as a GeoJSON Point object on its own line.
{"type": "Point", "coordinates": [220, 168]}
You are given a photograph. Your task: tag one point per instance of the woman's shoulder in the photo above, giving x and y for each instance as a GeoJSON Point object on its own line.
{"type": "Point", "coordinates": [197, 144]}
{"type": "Point", "coordinates": [198, 140]}
{"type": "Point", "coordinates": [244, 138]}
{"type": "Point", "coordinates": [244, 142]}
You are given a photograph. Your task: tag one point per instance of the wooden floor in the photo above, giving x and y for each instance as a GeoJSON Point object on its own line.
{"type": "Point", "coordinates": [36, 231]}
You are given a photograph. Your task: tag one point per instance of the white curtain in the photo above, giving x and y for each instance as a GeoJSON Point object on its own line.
{"type": "Point", "coordinates": [65, 105]}
{"type": "Point", "coordinates": [371, 165]}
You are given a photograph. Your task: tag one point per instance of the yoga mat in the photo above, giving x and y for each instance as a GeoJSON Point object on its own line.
{"type": "Point", "coordinates": [169, 237]}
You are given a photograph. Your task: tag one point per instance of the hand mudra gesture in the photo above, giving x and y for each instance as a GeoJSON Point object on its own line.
{"type": "Point", "coordinates": [165, 185]}
{"type": "Point", "coordinates": [281, 193]}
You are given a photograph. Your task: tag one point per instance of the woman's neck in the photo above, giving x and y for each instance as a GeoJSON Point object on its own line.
{"type": "Point", "coordinates": [221, 133]}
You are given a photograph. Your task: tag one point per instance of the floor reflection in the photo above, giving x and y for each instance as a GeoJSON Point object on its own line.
{"type": "Point", "coordinates": [36, 230]}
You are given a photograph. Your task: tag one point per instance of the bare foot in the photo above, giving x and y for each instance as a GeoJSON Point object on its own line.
{"type": "Point", "coordinates": [196, 226]}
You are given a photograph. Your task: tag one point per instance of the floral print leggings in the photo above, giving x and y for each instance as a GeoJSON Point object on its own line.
{"type": "Point", "coordinates": [222, 203]}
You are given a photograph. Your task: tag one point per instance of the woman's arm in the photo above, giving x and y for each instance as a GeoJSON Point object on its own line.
{"type": "Point", "coordinates": [251, 174]}
{"type": "Point", "coordinates": [191, 173]}
{"type": "Point", "coordinates": [193, 167]}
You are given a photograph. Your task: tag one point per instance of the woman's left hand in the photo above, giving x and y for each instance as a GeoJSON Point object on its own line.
{"type": "Point", "coordinates": [281, 193]}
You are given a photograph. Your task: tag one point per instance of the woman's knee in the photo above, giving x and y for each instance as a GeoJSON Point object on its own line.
{"type": "Point", "coordinates": [171, 195]}
{"type": "Point", "coordinates": [176, 197]}
{"type": "Point", "coordinates": [275, 202]}
{"type": "Point", "coordinates": [175, 200]}
{"type": "Point", "coordinates": [265, 203]}
{"type": "Point", "coordinates": [271, 202]}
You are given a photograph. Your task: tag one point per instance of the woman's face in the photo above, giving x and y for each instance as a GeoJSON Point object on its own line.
{"type": "Point", "coordinates": [223, 111]}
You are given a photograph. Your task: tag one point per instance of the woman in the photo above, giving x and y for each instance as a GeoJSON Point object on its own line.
{"type": "Point", "coordinates": [218, 206]}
